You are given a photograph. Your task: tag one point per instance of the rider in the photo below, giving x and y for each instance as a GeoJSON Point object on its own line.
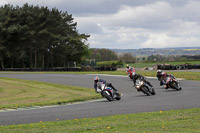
{"type": "Point", "coordinates": [98, 82]}
{"type": "Point", "coordinates": [131, 69]}
{"type": "Point", "coordinates": [161, 75]}
{"type": "Point", "coordinates": [138, 76]}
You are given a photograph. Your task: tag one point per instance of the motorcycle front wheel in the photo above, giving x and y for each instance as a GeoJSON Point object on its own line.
{"type": "Point", "coordinates": [153, 91]}
{"type": "Point", "coordinates": [107, 96]}
{"type": "Point", "coordinates": [118, 97]}
{"type": "Point", "coordinates": [174, 85]}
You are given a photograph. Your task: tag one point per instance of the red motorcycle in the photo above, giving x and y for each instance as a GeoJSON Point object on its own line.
{"type": "Point", "coordinates": [131, 72]}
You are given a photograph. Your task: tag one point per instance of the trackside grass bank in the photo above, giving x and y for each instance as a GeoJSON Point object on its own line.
{"type": "Point", "coordinates": [16, 93]}
{"type": "Point", "coordinates": [150, 64]}
{"type": "Point", "coordinates": [179, 121]}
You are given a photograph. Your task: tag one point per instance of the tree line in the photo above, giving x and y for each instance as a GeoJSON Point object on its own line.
{"type": "Point", "coordinates": [109, 55]}
{"type": "Point", "coordinates": [39, 37]}
{"type": "Point", "coordinates": [103, 54]}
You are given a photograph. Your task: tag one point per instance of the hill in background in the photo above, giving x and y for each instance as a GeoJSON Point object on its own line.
{"type": "Point", "coordinates": [161, 51]}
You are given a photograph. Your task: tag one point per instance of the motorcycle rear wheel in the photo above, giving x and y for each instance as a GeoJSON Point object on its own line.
{"type": "Point", "coordinates": [175, 86]}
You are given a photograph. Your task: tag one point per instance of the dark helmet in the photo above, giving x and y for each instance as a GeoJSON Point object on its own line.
{"type": "Point", "coordinates": [96, 78]}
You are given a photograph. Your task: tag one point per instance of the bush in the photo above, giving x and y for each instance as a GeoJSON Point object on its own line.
{"type": "Point", "coordinates": [110, 63]}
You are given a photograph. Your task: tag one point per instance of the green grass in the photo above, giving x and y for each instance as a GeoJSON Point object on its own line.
{"type": "Point", "coordinates": [150, 64]}
{"type": "Point", "coordinates": [15, 93]}
{"type": "Point", "coordinates": [179, 121]}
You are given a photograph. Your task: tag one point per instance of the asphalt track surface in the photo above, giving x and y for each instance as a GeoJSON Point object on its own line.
{"type": "Point", "coordinates": [131, 102]}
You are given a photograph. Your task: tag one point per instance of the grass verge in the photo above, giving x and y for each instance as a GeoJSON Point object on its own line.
{"type": "Point", "coordinates": [16, 93]}
{"type": "Point", "coordinates": [188, 75]}
{"type": "Point", "coordinates": [179, 121]}
{"type": "Point", "coordinates": [150, 64]}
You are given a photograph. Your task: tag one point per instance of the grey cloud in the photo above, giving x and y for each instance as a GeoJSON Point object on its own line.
{"type": "Point", "coordinates": [132, 23]}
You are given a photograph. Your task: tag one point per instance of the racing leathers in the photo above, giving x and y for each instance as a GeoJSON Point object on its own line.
{"type": "Point", "coordinates": [130, 71]}
{"type": "Point", "coordinates": [162, 77]}
{"type": "Point", "coordinates": [97, 84]}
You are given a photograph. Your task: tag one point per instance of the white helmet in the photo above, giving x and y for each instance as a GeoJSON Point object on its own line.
{"type": "Point", "coordinates": [159, 71]}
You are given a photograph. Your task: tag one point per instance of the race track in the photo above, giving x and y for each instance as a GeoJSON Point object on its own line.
{"type": "Point", "coordinates": [131, 102]}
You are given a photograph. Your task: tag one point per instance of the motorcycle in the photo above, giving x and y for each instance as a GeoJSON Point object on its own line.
{"type": "Point", "coordinates": [131, 72]}
{"type": "Point", "coordinates": [109, 93]}
{"type": "Point", "coordinates": [145, 88]}
{"type": "Point", "coordinates": [173, 83]}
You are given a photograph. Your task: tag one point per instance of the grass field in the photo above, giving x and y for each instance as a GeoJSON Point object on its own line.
{"type": "Point", "coordinates": [179, 121]}
{"type": "Point", "coordinates": [15, 93]}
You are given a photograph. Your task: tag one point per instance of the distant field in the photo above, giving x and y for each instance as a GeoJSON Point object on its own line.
{"type": "Point", "coordinates": [142, 65]}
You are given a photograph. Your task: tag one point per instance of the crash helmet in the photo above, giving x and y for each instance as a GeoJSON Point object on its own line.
{"type": "Point", "coordinates": [96, 78]}
{"type": "Point", "coordinates": [127, 66]}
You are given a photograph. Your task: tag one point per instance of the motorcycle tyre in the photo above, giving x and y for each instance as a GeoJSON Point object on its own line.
{"type": "Point", "coordinates": [153, 91]}
{"type": "Point", "coordinates": [145, 91]}
{"type": "Point", "coordinates": [108, 97]}
{"type": "Point", "coordinates": [118, 97]}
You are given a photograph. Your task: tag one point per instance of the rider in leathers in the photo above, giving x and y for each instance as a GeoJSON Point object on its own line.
{"type": "Point", "coordinates": [132, 69]}
{"type": "Point", "coordinates": [162, 76]}
{"type": "Point", "coordinates": [98, 82]}
{"type": "Point", "coordinates": [138, 76]}
{"type": "Point", "coordinates": [129, 68]}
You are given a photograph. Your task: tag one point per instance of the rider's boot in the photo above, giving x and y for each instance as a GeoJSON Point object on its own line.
{"type": "Point", "coordinates": [166, 86]}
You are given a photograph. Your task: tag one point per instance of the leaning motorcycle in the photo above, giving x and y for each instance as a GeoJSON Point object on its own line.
{"type": "Point", "coordinates": [145, 88]}
{"type": "Point", "coordinates": [173, 83]}
{"type": "Point", "coordinates": [109, 93]}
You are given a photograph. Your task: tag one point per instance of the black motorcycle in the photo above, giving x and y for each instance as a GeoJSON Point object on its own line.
{"type": "Point", "coordinates": [145, 88]}
{"type": "Point", "coordinates": [173, 83]}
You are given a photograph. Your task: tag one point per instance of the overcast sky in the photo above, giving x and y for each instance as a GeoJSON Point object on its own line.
{"type": "Point", "coordinates": [131, 24]}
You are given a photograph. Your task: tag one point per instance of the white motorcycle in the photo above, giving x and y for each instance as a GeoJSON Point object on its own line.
{"type": "Point", "coordinates": [108, 93]}
{"type": "Point", "coordinates": [145, 88]}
